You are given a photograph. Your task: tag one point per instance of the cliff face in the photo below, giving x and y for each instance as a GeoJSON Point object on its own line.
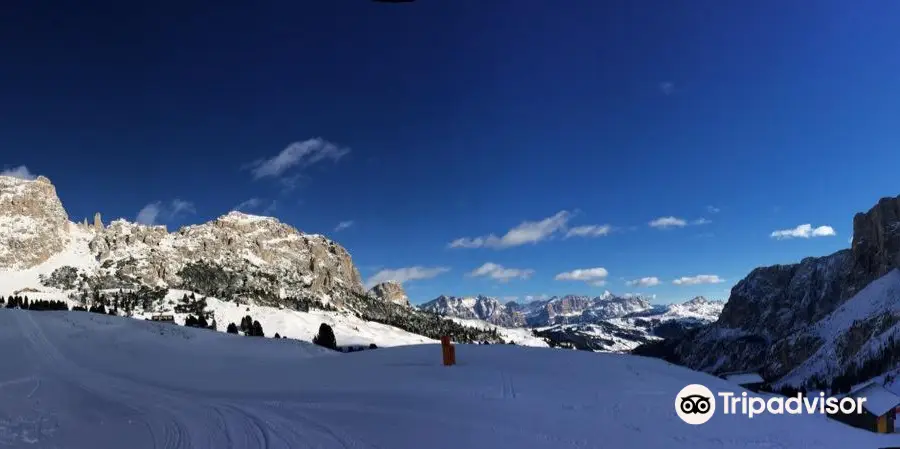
{"type": "Point", "coordinates": [33, 222]}
{"type": "Point", "coordinates": [390, 292]}
{"type": "Point", "coordinates": [236, 252]}
{"type": "Point", "coordinates": [263, 253]}
{"type": "Point", "coordinates": [766, 323]}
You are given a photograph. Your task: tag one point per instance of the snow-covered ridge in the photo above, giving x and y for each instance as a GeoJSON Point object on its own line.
{"type": "Point", "coordinates": [604, 323]}
{"type": "Point", "coordinates": [569, 309]}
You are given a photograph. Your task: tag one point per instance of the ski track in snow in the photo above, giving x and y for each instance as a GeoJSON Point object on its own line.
{"type": "Point", "coordinates": [178, 420]}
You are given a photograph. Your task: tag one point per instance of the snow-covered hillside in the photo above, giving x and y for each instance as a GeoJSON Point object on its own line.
{"type": "Point", "coordinates": [79, 380]}
{"type": "Point", "coordinates": [348, 329]}
{"type": "Point", "coordinates": [517, 335]}
{"type": "Point", "coordinates": [854, 333]}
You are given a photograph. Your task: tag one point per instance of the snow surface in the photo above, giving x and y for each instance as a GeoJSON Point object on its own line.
{"type": "Point", "coordinates": [80, 380]}
{"type": "Point", "coordinates": [521, 336]}
{"type": "Point", "coordinates": [879, 400]}
{"type": "Point", "coordinates": [348, 329]}
{"type": "Point", "coordinates": [76, 254]}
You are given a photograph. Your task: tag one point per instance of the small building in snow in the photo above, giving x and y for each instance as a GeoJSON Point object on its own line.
{"type": "Point", "coordinates": [879, 409]}
{"type": "Point", "coordinates": [749, 380]}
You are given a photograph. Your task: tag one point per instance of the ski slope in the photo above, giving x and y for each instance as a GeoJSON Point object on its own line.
{"type": "Point", "coordinates": [80, 380]}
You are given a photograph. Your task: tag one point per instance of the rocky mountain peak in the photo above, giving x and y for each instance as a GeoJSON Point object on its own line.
{"type": "Point", "coordinates": [390, 292]}
{"type": "Point", "coordinates": [876, 237]}
{"type": "Point", "coordinates": [33, 223]}
{"type": "Point", "coordinates": [768, 319]}
{"type": "Point", "coordinates": [270, 256]}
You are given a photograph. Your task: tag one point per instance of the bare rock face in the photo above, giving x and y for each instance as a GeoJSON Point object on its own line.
{"type": "Point", "coordinates": [767, 323]}
{"type": "Point", "coordinates": [390, 292]}
{"type": "Point", "coordinates": [876, 238]}
{"type": "Point", "coordinates": [33, 222]}
{"type": "Point", "coordinates": [259, 254]}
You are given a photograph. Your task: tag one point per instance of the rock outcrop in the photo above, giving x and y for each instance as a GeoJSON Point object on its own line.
{"type": "Point", "coordinates": [390, 292]}
{"type": "Point", "coordinates": [253, 253]}
{"type": "Point", "coordinates": [766, 323]}
{"type": "Point", "coordinates": [33, 222]}
{"type": "Point", "coordinates": [483, 308]}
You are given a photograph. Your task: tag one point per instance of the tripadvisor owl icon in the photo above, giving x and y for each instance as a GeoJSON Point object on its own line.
{"type": "Point", "coordinates": [695, 404]}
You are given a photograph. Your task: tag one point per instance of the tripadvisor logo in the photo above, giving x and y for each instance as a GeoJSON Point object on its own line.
{"type": "Point", "coordinates": [695, 404]}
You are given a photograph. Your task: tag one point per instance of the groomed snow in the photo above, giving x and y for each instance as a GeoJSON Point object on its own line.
{"type": "Point", "coordinates": [79, 380]}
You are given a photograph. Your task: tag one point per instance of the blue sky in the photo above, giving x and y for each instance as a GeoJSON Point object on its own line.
{"type": "Point", "coordinates": [519, 129]}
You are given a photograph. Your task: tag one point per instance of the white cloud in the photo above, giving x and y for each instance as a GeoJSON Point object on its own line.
{"type": "Point", "coordinates": [676, 222]}
{"type": "Point", "coordinates": [667, 87]}
{"type": "Point", "coordinates": [20, 172]}
{"type": "Point", "coordinates": [803, 231]}
{"type": "Point", "coordinates": [699, 279]}
{"type": "Point", "coordinates": [256, 204]}
{"type": "Point", "coordinates": [406, 274]}
{"type": "Point", "coordinates": [297, 154]}
{"type": "Point", "coordinates": [713, 209]}
{"type": "Point", "coordinates": [644, 282]}
{"type": "Point", "coordinates": [501, 273]}
{"type": "Point", "coordinates": [589, 231]}
{"type": "Point", "coordinates": [638, 295]}
{"type": "Point", "coordinates": [343, 225]}
{"type": "Point", "coordinates": [532, 298]}
{"type": "Point", "coordinates": [159, 212]}
{"type": "Point", "coordinates": [668, 222]}
{"type": "Point", "coordinates": [510, 298]}
{"type": "Point", "coordinates": [525, 233]}
{"type": "Point", "coordinates": [591, 276]}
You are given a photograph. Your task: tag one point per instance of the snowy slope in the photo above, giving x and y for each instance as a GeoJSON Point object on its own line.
{"type": "Point", "coordinates": [348, 329]}
{"type": "Point", "coordinates": [76, 254]}
{"type": "Point", "coordinates": [520, 336]}
{"type": "Point", "coordinates": [872, 314]}
{"type": "Point", "coordinates": [78, 380]}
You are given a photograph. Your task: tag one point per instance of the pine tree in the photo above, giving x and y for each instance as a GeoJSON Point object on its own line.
{"type": "Point", "coordinates": [246, 324]}
{"type": "Point", "coordinates": [325, 337]}
{"type": "Point", "coordinates": [276, 335]}
{"type": "Point", "coordinates": [231, 329]}
{"type": "Point", "coordinates": [257, 330]}
{"type": "Point", "coordinates": [190, 321]}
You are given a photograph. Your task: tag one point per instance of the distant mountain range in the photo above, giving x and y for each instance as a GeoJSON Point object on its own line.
{"type": "Point", "coordinates": [605, 322]}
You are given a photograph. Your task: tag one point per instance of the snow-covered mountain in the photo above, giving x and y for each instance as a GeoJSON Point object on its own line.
{"type": "Point", "coordinates": [814, 321]}
{"type": "Point", "coordinates": [482, 308]}
{"type": "Point", "coordinates": [288, 280]}
{"type": "Point", "coordinates": [82, 380]}
{"type": "Point", "coordinates": [554, 310]}
{"type": "Point", "coordinates": [605, 323]}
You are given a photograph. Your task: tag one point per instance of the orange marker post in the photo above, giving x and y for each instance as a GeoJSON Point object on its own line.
{"type": "Point", "coordinates": [448, 351]}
